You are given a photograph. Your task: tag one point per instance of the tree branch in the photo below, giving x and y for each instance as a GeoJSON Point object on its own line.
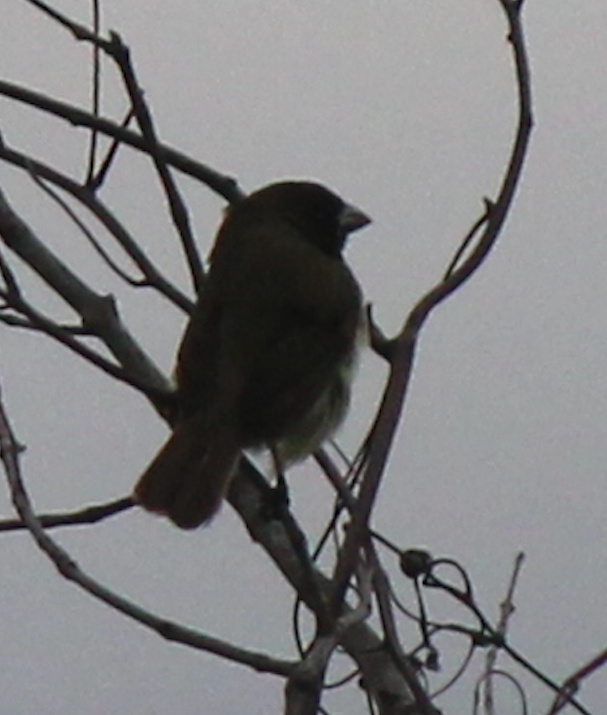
{"type": "Point", "coordinates": [506, 609]}
{"type": "Point", "coordinates": [572, 684]}
{"type": "Point", "coordinates": [402, 356]}
{"type": "Point", "coordinates": [86, 196]}
{"type": "Point", "coordinates": [84, 516]}
{"type": "Point", "coordinates": [98, 313]}
{"type": "Point", "coordinates": [121, 55]}
{"type": "Point", "coordinates": [69, 569]}
{"type": "Point", "coordinates": [381, 678]}
{"type": "Point", "coordinates": [223, 185]}
{"type": "Point", "coordinates": [304, 687]}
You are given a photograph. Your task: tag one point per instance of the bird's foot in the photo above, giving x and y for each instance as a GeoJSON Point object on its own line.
{"type": "Point", "coordinates": [277, 500]}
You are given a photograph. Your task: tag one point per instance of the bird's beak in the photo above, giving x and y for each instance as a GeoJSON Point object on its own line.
{"type": "Point", "coordinates": [352, 218]}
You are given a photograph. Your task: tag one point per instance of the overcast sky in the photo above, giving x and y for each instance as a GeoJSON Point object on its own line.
{"type": "Point", "coordinates": [408, 110]}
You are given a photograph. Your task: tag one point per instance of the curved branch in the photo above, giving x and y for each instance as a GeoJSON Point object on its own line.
{"type": "Point", "coordinates": [403, 353]}
{"type": "Point", "coordinates": [69, 569]}
{"type": "Point", "coordinates": [54, 195]}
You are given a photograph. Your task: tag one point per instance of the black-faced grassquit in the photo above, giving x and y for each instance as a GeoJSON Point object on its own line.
{"type": "Point", "coordinates": [268, 355]}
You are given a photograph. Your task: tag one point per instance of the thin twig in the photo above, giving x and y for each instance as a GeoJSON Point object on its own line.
{"type": "Point", "coordinates": [572, 684]}
{"type": "Point", "coordinates": [305, 684]}
{"type": "Point", "coordinates": [223, 185]}
{"type": "Point", "coordinates": [86, 515]}
{"type": "Point", "coordinates": [382, 678]}
{"type": "Point", "coordinates": [13, 291]}
{"type": "Point", "coordinates": [96, 83]}
{"type": "Point", "coordinates": [507, 609]}
{"type": "Point", "coordinates": [381, 587]}
{"type": "Point", "coordinates": [54, 14]}
{"type": "Point", "coordinates": [468, 238]}
{"type": "Point", "coordinates": [179, 213]}
{"type": "Point", "coordinates": [332, 473]}
{"type": "Point", "coordinates": [88, 234]}
{"type": "Point", "coordinates": [466, 598]}
{"type": "Point", "coordinates": [162, 397]}
{"type": "Point", "coordinates": [506, 676]}
{"type": "Point", "coordinates": [463, 667]}
{"type": "Point", "coordinates": [98, 312]}
{"type": "Point", "coordinates": [96, 181]}
{"type": "Point", "coordinates": [85, 195]}
{"type": "Point", "coordinates": [18, 321]}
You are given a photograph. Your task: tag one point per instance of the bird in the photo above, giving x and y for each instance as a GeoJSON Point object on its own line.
{"type": "Point", "coordinates": [268, 356]}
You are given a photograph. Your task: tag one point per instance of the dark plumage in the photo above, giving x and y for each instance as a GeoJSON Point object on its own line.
{"type": "Point", "coordinates": [267, 357]}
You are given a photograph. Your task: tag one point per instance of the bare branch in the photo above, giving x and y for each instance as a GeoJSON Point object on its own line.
{"type": "Point", "coordinates": [69, 569]}
{"type": "Point", "coordinates": [95, 182]}
{"type": "Point", "coordinates": [54, 14]}
{"type": "Point", "coordinates": [179, 213]}
{"type": "Point", "coordinates": [466, 598]}
{"type": "Point", "coordinates": [88, 234]}
{"type": "Point", "coordinates": [395, 392]}
{"type": "Point", "coordinates": [507, 609]}
{"type": "Point", "coordinates": [379, 342]}
{"type": "Point", "coordinates": [96, 94]}
{"type": "Point", "coordinates": [332, 473]}
{"type": "Point", "coordinates": [381, 678]}
{"type": "Point", "coordinates": [572, 684]}
{"type": "Point", "coordinates": [223, 185]}
{"type": "Point", "coordinates": [161, 398]}
{"type": "Point", "coordinates": [85, 516]}
{"type": "Point", "coordinates": [86, 196]}
{"type": "Point", "coordinates": [98, 312]}
{"type": "Point", "coordinates": [485, 680]}
{"type": "Point", "coordinates": [305, 684]}
{"type": "Point", "coordinates": [13, 291]}
{"type": "Point", "coordinates": [468, 238]}
{"type": "Point", "coordinates": [16, 321]}
{"type": "Point", "coordinates": [381, 585]}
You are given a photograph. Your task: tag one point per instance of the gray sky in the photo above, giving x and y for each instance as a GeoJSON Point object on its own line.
{"type": "Point", "coordinates": [407, 109]}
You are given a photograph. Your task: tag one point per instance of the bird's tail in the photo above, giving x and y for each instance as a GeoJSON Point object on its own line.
{"type": "Point", "coordinates": [190, 476]}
